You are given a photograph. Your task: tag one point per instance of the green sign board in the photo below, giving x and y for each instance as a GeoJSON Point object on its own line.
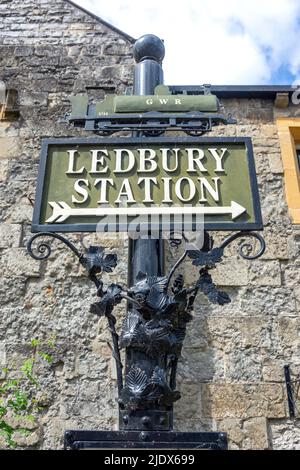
{"type": "Point", "coordinates": [113, 184]}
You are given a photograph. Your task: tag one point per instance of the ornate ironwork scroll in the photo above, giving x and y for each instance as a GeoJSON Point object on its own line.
{"type": "Point", "coordinates": [155, 324]}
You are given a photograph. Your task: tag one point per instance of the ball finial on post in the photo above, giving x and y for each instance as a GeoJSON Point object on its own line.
{"type": "Point", "coordinates": [150, 47]}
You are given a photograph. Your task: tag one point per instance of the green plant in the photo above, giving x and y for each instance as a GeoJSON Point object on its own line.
{"type": "Point", "coordinates": [19, 405]}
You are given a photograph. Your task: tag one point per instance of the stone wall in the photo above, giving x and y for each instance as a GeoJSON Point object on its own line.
{"type": "Point", "coordinates": [231, 372]}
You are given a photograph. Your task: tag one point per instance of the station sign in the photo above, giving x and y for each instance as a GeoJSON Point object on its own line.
{"type": "Point", "coordinates": [100, 184]}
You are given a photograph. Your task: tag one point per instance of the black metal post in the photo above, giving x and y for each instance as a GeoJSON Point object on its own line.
{"type": "Point", "coordinates": [289, 391]}
{"type": "Point", "coordinates": [147, 255]}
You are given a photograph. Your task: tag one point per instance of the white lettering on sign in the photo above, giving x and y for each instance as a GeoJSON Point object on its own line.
{"type": "Point", "coordinates": [167, 155]}
{"type": "Point", "coordinates": [96, 161]}
{"type": "Point", "coordinates": [71, 169]}
{"type": "Point", "coordinates": [194, 160]}
{"type": "Point", "coordinates": [179, 189]}
{"type": "Point", "coordinates": [121, 156]}
{"type": "Point", "coordinates": [125, 193]}
{"type": "Point", "coordinates": [167, 189]}
{"type": "Point", "coordinates": [81, 191]}
{"type": "Point", "coordinates": [163, 100]}
{"type": "Point", "coordinates": [147, 156]}
{"type": "Point", "coordinates": [218, 158]}
{"type": "Point", "coordinates": [153, 167]}
{"type": "Point", "coordinates": [103, 183]}
{"type": "Point", "coordinates": [175, 101]}
{"type": "Point", "coordinates": [148, 188]}
{"type": "Point", "coordinates": [206, 186]}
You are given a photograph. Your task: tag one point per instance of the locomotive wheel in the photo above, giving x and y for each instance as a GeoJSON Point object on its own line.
{"type": "Point", "coordinates": [104, 133]}
{"type": "Point", "coordinates": [195, 133]}
{"type": "Point", "coordinates": [153, 133]}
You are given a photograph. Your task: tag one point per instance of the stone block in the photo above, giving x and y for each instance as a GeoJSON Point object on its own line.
{"type": "Point", "coordinates": [268, 301]}
{"type": "Point", "coordinates": [21, 212]}
{"type": "Point", "coordinates": [26, 441]}
{"type": "Point", "coordinates": [275, 163]}
{"type": "Point", "coordinates": [243, 365]}
{"type": "Point", "coordinates": [10, 147]}
{"type": "Point", "coordinates": [285, 434]}
{"type": "Point", "coordinates": [233, 427]}
{"type": "Point", "coordinates": [16, 422]}
{"type": "Point", "coordinates": [62, 262]}
{"type": "Point", "coordinates": [289, 332]}
{"type": "Point", "coordinates": [256, 434]}
{"type": "Point", "coordinates": [10, 235]}
{"type": "Point", "coordinates": [195, 365]}
{"type": "Point", "coordinates": [230, 334]}
{"type": "Point", "coordinates": [272, 370]}
{"type": "Point", "coordinates": [110, 72]}
{"type": "Point", "coordinates": [291, 275]}
{"type": "Point", "coordinates": [2, 359]}
{"type": "Point", "coordinates": [23, 51]}
{"type": "Point", "coordinates": [231, 273]}
{"type": "Point", "coordinates": [12, 293]}
{"type": "Point", "coordinates": [189, 404]}
{"type": "Point", "coordinates": [17, 262]}
{"type": "Point", "coordinates": [3, 170]}
{"type": "Point", "coordinates": [30, 98]}
{"type": "Point", "coordinates": [243, 401]}
{"type": "Point", "coordinates": [277, 246]}
{"type": "Point", "coordinates": [265, 273]}
{"type": "Point", "coordinates": [196, 334]}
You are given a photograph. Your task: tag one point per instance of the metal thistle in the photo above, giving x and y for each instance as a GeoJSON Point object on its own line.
{"type": "Point", "coordinates": [154, 328]}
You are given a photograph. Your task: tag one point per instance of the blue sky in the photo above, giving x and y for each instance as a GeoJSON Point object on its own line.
{"type": "Point", "coordinates": [215, 41]}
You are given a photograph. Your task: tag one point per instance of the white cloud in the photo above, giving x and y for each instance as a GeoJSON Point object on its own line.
{"type": "Point", "coordinates": [220, 42]}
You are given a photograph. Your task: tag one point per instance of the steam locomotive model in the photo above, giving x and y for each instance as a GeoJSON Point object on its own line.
{"type": "Point", "coordinates": [152, 115]}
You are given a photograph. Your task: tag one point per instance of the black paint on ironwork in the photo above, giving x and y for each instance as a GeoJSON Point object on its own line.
{"type": "Point", "coordinates": [154, 327]}
{"type": "Point", "coordinates": [79, 440]}
{"type": "Point", "coordinates": [236, 91]}
{"type": "Point", "coordinates": [289, 391]}
{"type": "Point", "coordinates": [151, 124]}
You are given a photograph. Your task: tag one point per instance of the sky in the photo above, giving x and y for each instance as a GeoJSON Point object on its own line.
{"type": "Point", "coordinates": [222, 42]}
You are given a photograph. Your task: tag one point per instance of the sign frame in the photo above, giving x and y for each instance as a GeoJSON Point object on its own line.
{"type": "Point", "coordinates": [37, 227]}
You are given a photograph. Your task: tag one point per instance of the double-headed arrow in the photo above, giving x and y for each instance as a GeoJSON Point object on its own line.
{"type": "Point", "coordinates": [62, 211]}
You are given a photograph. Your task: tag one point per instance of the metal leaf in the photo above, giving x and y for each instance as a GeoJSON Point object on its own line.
{"type": "Point", "coordinates": [130, 328]}
{"type": "Point", "coordinates": [95, 262]}
{"type": "Point", "coordinates": [206, 285]}
{"type": "Point", "coordinates": [110, 298]}
{"type": "Point", "coordinates": [156, 299]}
{"type": "Point", "coordinates": [158, 377]}
{"type": "Point", "coordinates": [203, 258]}
{"type": "Point", "coordinates": [109, 262]}
{"type": "Point", "coordinates": [137, 380]}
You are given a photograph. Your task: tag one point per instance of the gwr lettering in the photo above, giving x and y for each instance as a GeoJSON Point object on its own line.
{"type": "Point", "coordinates": [150, 101]}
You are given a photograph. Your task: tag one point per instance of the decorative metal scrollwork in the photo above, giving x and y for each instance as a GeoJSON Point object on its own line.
{"type": "Point", "coordinates": [44, 249]}
{"type": "Point", "coordinates": [155, 325]}
{"type": "Point", "coordinates": [246, 248]}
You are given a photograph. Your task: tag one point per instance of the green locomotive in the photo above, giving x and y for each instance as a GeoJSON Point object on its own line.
{"type": "Point", "coordinates": [151, 114]}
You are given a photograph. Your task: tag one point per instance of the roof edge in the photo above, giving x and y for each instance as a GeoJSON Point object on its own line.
{"type": "Point", "coordinates": [237, 91]}
{"type": "Point", "coordinates": [105, 23]}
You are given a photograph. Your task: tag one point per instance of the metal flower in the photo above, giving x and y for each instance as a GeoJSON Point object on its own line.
{"type": "Point", "coordinates": [206, 258]}
{"type": "Point", "coordinates": [95, 262]}
{"type": "Point", "coordinates": [109, 299]}
{"type": "Point", "coordinates": [206, 285]}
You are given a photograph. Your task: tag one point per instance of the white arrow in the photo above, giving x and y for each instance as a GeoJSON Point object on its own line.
{"type": "Point", "coordinates": [61, 211]}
